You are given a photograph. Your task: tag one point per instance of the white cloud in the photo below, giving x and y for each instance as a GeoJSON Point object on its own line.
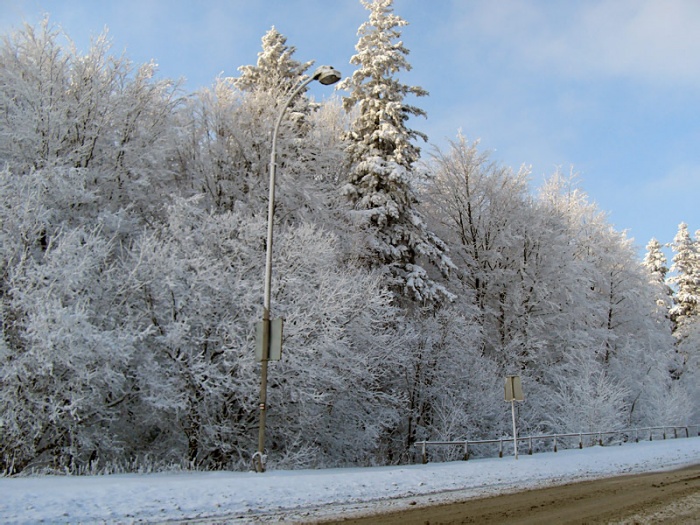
{"type": "Point", "coordinates": [657, 41]}
{"type": "Point", "coordinates": [651, 40]}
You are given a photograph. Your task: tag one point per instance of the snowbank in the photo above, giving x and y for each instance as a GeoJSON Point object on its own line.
{"type": "Point", "coordinates": [301, 495]}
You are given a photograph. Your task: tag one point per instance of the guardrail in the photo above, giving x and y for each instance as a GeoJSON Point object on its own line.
{"type": "Point", "coordinates": [599, 438]}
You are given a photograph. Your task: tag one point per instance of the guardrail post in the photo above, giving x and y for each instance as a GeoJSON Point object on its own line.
{"type": "Point", "coordinates": [555, 443]}
{"type": "Point", "coordinates": [424, 454]}
{"type": "Point", "coordinates": [687, 433]}
{"type": "Point", "coordinates": [580, 440]}
{"type": "Point", "coordinates": [664, 431]}
{"type": "Point", "coordinates": [466, 451]}
{"type": "Point", "coordinates": [530, 451]}
{"type": "Point", "coordinates": [500, 448]}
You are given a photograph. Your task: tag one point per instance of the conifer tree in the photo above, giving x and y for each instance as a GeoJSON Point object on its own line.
{"type": "Point", "coordinates": [686, 265]}
{"type": "Point", "coordinates": [273, 80]}
{"type": "Point", "coordinates": [382, 155]}
{"type": "Point", "coordinates": [656, 264]}
{"type": "Point", "coordinates": [276, 71]}
{"type": "Point", "coordinates": [238, 116]}
{"type": "Point", "coordinates": [655, 261]}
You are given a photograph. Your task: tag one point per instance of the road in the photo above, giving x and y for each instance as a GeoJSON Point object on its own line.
{"type": "Point", "coordinates": [667, 497]}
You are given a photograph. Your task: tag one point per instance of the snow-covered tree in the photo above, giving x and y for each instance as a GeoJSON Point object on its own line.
{"type": "Point", "coordinates": [448, 388]}
{"type": "Point", "coordinates": [65, 362]}
{"type": "Point", "coordinates": [225, 150]}
{"type": "Point", "coordinates": [655, 261]}
{"type": "Point", "coordinates": [270, 83]}
{"type": "Point", "coordinates": [200, 297]}
{"type": "Point", "coordinates": [482, 210]}
{"type": "Point", "coordinates": [585, 397]}
{"type": "Point", "coordinates": [132, 232]}
{"type": "Point", "coordinates": [85, 141]}
{"type": "Point", "coordinates": [685, 312]}
{"type": "Point", "coordinates": [611, 310]}
{"type": "Point", "coordinates": [328, 393]}
{"type": "Point", "coordinates": [686, 278]}
{"type": "Point", "coordinates": [382, 154]}
{"type": "Point", "coordinates": [550, 278]}
{"type": "Point", "coordinates": [687, 369]}
{"type": "Point", "coordinates": [657, 265]}
{"type": "Point", "coordinates": [91, 112]}
{"type": "Point", "coordinates": [276, 70]}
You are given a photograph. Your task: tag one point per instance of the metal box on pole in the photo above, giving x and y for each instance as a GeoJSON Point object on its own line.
{"type": "Point", "coordinates": [276, 326]}
{"type": "Point", "coordinates": [513, 393]}
{"type": "Point", "coordinates": [514, 389]}
{"type": "Point", "coordinates": [268, 339]}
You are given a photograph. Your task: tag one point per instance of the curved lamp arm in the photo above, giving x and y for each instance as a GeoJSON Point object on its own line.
{"type": "Point", "coordinates": [326, 75]}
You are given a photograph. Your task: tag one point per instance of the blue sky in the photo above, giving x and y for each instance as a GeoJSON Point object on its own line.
{"type": "Point", "coordinates": [606, 88]}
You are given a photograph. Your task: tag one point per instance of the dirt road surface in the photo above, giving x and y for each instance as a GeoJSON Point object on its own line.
{"type": "Point", "coordinates": [667, 497]}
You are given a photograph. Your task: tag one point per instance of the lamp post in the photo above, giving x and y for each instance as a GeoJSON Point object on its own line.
{"type": "Point", "coordinates": [326, 75]}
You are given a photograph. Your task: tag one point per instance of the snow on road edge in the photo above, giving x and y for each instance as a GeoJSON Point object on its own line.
{"type": "Point", "coordinates": [295, 495]}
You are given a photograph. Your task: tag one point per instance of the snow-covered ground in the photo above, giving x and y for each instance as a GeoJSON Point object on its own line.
{"type": "Point", "coordinates": [244, 497]}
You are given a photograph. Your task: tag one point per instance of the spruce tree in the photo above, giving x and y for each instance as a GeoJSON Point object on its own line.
{"type": "Point", "coordinates": [686, 265]}
{"type": "Point", "coordinates": [656, 264]}
{"type": "Point", "coordinates": [382, 155]}
{"type": "Point", "coordinates": [276, 71]}
{"type": "Point", "coordinates": [655, 261]}
{"type": "Point", "coordinates": [272, 80]}
{"type": "Point", "coordinates": [258, 95]}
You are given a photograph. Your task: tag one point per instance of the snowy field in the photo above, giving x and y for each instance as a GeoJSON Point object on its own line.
{"type": "Point", "coordinates": [245, 497]}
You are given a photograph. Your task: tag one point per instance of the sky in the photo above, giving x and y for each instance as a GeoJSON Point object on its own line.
{"type": "Point", "coordinates": [603, 89]}
{"type": "Point", "coordinates": [329, 494]}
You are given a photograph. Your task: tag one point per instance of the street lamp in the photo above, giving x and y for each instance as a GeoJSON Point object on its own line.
{"type": "Point", "coordinates": [326, 75]}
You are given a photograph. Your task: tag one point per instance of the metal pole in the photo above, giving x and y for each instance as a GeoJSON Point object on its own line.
{"type": "Point", "coordinates": [259, 456]}
{"type": "Point", "coordinates": [515, 430]}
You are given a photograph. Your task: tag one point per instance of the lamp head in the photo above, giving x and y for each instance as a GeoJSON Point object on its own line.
{"type": "Point", "coordinates": [327, 75]}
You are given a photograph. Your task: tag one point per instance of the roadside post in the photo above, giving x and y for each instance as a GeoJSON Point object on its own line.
{"type": "Point", "coordinates": [513, 393]}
